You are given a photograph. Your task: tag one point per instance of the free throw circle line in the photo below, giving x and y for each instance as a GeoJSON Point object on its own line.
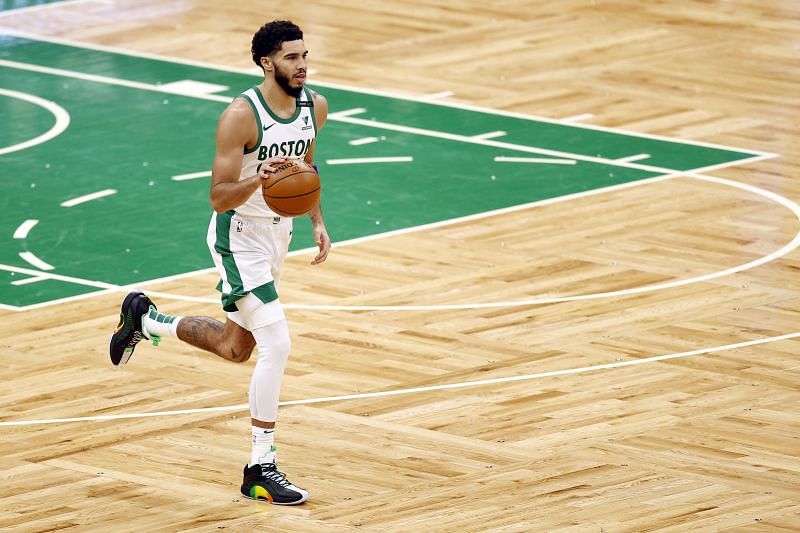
{"type": "Point", "coordinates": [62, 120]}
{"type": "Point", "coordinates": [774, 197]}
{"type": "Point", "coordinates": [25, 228]}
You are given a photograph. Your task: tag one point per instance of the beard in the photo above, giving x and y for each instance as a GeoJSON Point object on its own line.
{"type": "Point", "coordinates": [283, 80]}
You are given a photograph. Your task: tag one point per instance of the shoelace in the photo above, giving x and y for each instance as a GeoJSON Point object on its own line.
{"type": "Point", "coordinates": [271, 472]}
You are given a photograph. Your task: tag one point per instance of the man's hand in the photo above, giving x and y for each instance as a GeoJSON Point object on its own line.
{"type": "Point", "coordinates": [323, 241]}
{"type": "Point", "coordinates": [267, 167]}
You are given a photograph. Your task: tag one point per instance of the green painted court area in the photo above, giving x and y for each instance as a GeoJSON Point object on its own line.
{"type": "Point", "coordinates": [130, 131]}
{"type": "Point", "coordinates": [7, 5]}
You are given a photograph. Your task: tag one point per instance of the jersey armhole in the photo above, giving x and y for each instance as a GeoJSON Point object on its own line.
{"type": "Point", "coordinates": [249, 100]}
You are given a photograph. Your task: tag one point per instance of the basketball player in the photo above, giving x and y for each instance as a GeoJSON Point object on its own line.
{"type": "Point", "coordinates": [267, 124]}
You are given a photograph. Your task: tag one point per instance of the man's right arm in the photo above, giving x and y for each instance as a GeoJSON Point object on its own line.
{"type": "Point", "coordinates": [236, 129]}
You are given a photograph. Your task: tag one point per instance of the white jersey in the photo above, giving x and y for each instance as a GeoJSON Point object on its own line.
{"type": "Point", "coordinates": [289, 137]}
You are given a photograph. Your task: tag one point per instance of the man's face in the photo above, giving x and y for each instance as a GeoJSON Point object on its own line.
{"type": "Point", "coordinates": [290, 66]}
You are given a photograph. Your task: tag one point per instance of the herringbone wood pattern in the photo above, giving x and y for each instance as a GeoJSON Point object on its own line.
{"type": "Point", "coordinates": [708, 442]}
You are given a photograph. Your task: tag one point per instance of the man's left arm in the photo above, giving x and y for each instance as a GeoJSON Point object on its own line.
{"type": "Point", "coordinates": [317, 222]}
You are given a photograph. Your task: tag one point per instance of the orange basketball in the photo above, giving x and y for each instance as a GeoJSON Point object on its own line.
{"type": "Point", "coordinates": [293, 189]}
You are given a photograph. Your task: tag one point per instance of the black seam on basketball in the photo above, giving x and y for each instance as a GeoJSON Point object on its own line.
{"type": "Point", "coordinates": [301, 171]}
{"type": "Point", "coordinates": [297, 195]}
{"type": "Point", "coordinates": [278, 180]}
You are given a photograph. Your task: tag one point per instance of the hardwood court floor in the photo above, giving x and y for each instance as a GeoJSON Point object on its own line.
{"type": "Point", "coordinates": [703, 442]}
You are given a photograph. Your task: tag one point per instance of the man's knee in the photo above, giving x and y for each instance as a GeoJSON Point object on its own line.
{"type": "Point", "coordinates": [238, 348]}
{"type": "Point", "coordinates": [237, 343]}
{"type": "Point", "coordinates": [274, 343]}
{"type": "Point", "coordinates": [282, 347]}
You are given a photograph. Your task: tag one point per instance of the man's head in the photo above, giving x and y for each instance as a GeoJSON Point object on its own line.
{"type": "Point", "coordinates": [279, 50]}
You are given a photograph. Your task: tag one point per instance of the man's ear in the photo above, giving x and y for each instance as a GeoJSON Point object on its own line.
{"type": "Point", "coordinates": [266, 63]}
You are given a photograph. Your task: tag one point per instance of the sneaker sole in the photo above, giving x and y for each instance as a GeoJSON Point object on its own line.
{"type": "Point", "coordinates": [274, 503]}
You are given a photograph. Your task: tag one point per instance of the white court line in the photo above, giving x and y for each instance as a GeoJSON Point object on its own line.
{"type": "Point", "coordinates": [504, 159]}
{"type": "Point", "coordinates": [88, 197]}
{"type": "Point", "coordinates": [106, 288]}
{"type": "Point", "coordinates": [107, 80]}
{"type": "Point", "coordinates": [490, 135]}
{"type": "Point", "coordinates": [631, 158]}
{"type": "Point", "coordinates": [363, 160]}
{"type": "Point", "coordinates": [414, 390]}
{"type": "Point", "coordinates": [24, 228]}
{"type": "Point", "coordinates": [457, 105]}
{"type": "Point", "coordinates": [28, 281]}
{"type": "Point", "coordinates": [578, 118]}
{"type": "Point", "coordinates": [68, 279]}
{"type": "Point", "coordinates": [346, 117]}
{"type": "Point", "coordinates": [62, 120]}
{"type": "Point", "coordinates": [363, 140]}
{"type": "Point", "coordinates": [193, 87]}
{"type": "Point", "coordinates": [792, 245]}
{"type": "Point", "coordinates": [789, 247]}
{"type": "Point", "coordinates": [30, 257]}
{"type": "Point", "coordinates": [192, 176]}
{"type": "Point", "coordinates": [347, 112]}
{"type": "Point", "coordinates": [437, 96]}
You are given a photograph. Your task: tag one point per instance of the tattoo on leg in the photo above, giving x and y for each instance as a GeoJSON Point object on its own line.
{"type": "Point", "coordinates": [208, 334]}
{"type": "Point", "coordinates": [235, 357]}
{"type": "Point", "coordinates": [202, 332]}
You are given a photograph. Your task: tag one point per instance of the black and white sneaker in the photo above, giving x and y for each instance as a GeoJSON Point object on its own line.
{"type": "Point", "coordinates": [265, 482]}
{"type": "Point", "coordinates": [129, 332]}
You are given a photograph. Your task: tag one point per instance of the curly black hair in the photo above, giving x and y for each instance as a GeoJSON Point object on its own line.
{"type": "Point", "coordinates": [270, 37]}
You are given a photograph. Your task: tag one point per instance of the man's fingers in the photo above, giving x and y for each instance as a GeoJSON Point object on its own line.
{"type": "Point", "coordinates": [324, 244]}
{"type": "Point", "coordinates": [267, 168]}
{"type": "Point", "coordinates": [264, 169]}
{"type": "Point", "coordinates": [321, 256]}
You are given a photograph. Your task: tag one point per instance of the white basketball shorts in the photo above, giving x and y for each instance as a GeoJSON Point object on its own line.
{"type": "Point", "coordinates": [248, 253]}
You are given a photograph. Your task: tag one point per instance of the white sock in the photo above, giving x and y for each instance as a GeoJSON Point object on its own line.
{"type": "Point", "coordinates": [263, 446]}
{"type": "Point", "coordinates": [157, 324]}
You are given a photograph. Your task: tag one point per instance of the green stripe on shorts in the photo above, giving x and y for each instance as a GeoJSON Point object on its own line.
{"type": "Point", "coordinates": [223, 247]}
{"type": "Point", "coordinates": [266, 293]}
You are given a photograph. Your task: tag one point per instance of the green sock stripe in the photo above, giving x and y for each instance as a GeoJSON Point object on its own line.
{"type": "Point", "coordinates": [161, 317]}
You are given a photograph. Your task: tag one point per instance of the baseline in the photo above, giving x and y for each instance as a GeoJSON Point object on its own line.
{"type": "Point", "coordinates": [375, 92]}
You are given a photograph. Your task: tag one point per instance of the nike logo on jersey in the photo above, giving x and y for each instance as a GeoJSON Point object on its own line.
{"type": "Point", "coordinates": [268, 127]}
